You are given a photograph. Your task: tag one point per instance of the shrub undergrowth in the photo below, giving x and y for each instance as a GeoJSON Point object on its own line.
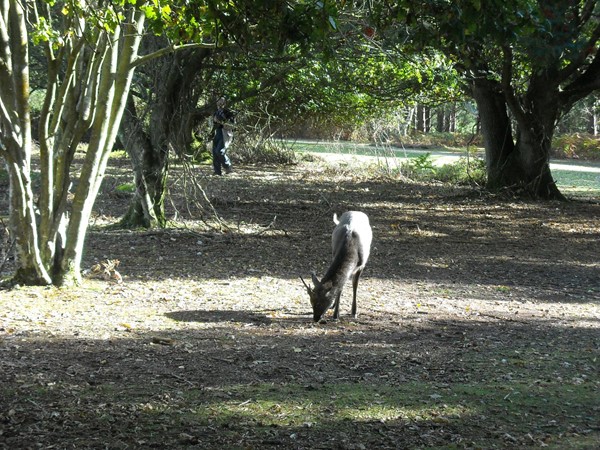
{"type": "Point", "coordinates": [576, 146]}
{"type": "Point", "coordinates": [247, 150]}
{"type": "Point", "coordinates": [465, 171]}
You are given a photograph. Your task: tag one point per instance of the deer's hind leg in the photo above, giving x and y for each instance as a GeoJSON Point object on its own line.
{"type": "Point", "coordinates": [354, 288]}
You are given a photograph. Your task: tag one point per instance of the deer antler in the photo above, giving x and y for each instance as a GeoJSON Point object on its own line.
{"type": "Point", "coordinates": [307, 286]}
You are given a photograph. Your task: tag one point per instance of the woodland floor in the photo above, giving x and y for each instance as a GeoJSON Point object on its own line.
{"type": "Point", "coordinates": [478, 326]}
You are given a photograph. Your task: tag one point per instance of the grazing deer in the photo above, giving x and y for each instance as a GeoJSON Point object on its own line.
{"type": "Point", "coordinates": [350, 244]}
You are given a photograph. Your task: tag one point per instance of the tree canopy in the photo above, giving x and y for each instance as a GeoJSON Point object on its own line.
{"type": "Point", "coordinates": [91, 51]}
{"type": "Point", "coordinates": [533, 59]}
{"type": "Point", "coordinates": [526, 63]}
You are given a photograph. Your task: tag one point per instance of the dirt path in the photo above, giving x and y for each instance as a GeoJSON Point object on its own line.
{"type": "Point", "coordinates": [479, 325]}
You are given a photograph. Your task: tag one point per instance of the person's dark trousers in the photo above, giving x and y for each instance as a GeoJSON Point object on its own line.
{"type": "Point", "coordinates": [220, 158]}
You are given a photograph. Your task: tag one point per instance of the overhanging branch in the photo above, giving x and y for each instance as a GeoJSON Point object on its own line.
{"type": "Point", "coordinates": [167, 50]}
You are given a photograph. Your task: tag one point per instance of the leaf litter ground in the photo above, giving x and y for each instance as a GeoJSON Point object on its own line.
{"type": "Point", "coordinates": [478, 324]}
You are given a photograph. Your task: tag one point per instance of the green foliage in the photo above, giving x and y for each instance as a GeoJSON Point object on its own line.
{"type": "Point", "coordinates": [43, 32]}
{"type": "Point", "coordinates": [126, 187]}
{"type": "Point", "coordinates": [422, 165]}
{"type": "Point", "coordinates": [244, 23]}
{"type": "Point", "coordinates": [466, 171]}
{"type": "Point", "coordinates": [495, 39]}
{"type": "Point", "coordinates": [36, 101]}
{"type": "Point", "coordinates": [200, 151]}
{"type": "Point", "coordinates": [578, 145]}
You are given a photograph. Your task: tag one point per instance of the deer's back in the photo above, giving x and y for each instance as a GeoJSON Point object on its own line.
{"type": "Point", "coordinates": [353, 231]}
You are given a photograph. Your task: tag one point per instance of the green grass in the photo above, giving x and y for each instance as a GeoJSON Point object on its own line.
{"type": "Point", "coordinates": [576, 182]}
{"type": "Point", "coordinates": [513, 398]}
{"type": "Point", "coordinates": [363, 150]}
{"type": "Point", "coordinates": [126, 187]}
{"type": "Point", "coordinates": [515, 408]}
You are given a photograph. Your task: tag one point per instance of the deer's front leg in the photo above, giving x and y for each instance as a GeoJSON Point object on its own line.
{"type": "Point", "coordinates": [336, 308]}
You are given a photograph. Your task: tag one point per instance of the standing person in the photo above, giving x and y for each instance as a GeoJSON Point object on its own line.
{"type": "Point", "coordinates": [223, 119]}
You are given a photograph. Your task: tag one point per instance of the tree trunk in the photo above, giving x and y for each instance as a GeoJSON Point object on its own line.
{"type": "Point", "coordinates": [89, 79]}
{"type": "Point", "coordinates": [497, 137]}
{"type": "Point", "coordinates": [441, 123]}
{"type": "Point", "coordinates": [16, 144]}
{"type": "Point", "coordinates": [518, 166]}
{"type": "Point", "coordinates": [452, 118]}
{"type": "Point", "coordinates": [172, 118]}
{"type": "Point", "coordinates": [420, 118]}
{"type": "Point", "coordinates": [30, 266]}
{"type": "Point", "coordinates": [113, 90]}
{"type": "Point", "coordinates": [150, 170]}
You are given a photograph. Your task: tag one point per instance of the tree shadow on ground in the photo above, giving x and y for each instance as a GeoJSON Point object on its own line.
{"type": "Point", "coordinates": [361, 384]}
{"type": "Point", "coordinates": [215, 316]}
{"type": "Point", "coordinates": [422, 233]}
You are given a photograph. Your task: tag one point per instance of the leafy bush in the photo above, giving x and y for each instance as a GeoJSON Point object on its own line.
{"type": "Point", "coordinates": [419, 168]}
{"type": "Point", "coordinates": [465, 171]}
{"type": "Point", "coordinates": [245, 149]}
{"type": "Point", "coordinates": [201, 151]}
{"type": "Point", "coordinates": [578, 146]}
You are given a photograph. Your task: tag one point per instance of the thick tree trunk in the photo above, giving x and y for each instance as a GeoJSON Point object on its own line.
{"type": "Point", "coordinates": [533, 149]}
{"type": "Point", "coordinates": [16, 144]}
{"type": "Point", "coordinates": [420, 118]}
{"type": "Point", "coordinates": [30, 266]}
{"type": "Point", "coordinates": [441, 120]}
{"type": "Point", "coordinates": [423, 119]}
{"type": "Point", "coordinates": [497, 137]}
{"type": "Point", "coordinates": [150, 170]}
{"type": "Point", "coordinates": [452, 118]}
{"type": "Point", "coordinates": [172, 119]}
{"type": "Point", "coordinates": [518, 166]}
{"type": "Point", "coordinates": [114, 82]}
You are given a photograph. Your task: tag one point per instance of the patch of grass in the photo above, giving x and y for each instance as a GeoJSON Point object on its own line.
{"type": "Point", "coordinates": [502, 288]}
{"type": "Point", "coordinates": [465, 171]}
{"type": "Point", "coordinates": [542, 411]}
{"type": "Point", "coordinates": [126, 187]}
{"type": "Point", "coordinates": [119, 153]}
{"type": "Point", "coordinates": [420, 166]}
{"type": "Point", "coordinates": [328, 408]}
{"type": "Point", "coordinates": [577, 182]}
{"type": "Point", "coordinates": [492, 415]}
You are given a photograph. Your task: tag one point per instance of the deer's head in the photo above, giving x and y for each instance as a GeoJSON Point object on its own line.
{"type": "Point", "coordinates": [321, 296]}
